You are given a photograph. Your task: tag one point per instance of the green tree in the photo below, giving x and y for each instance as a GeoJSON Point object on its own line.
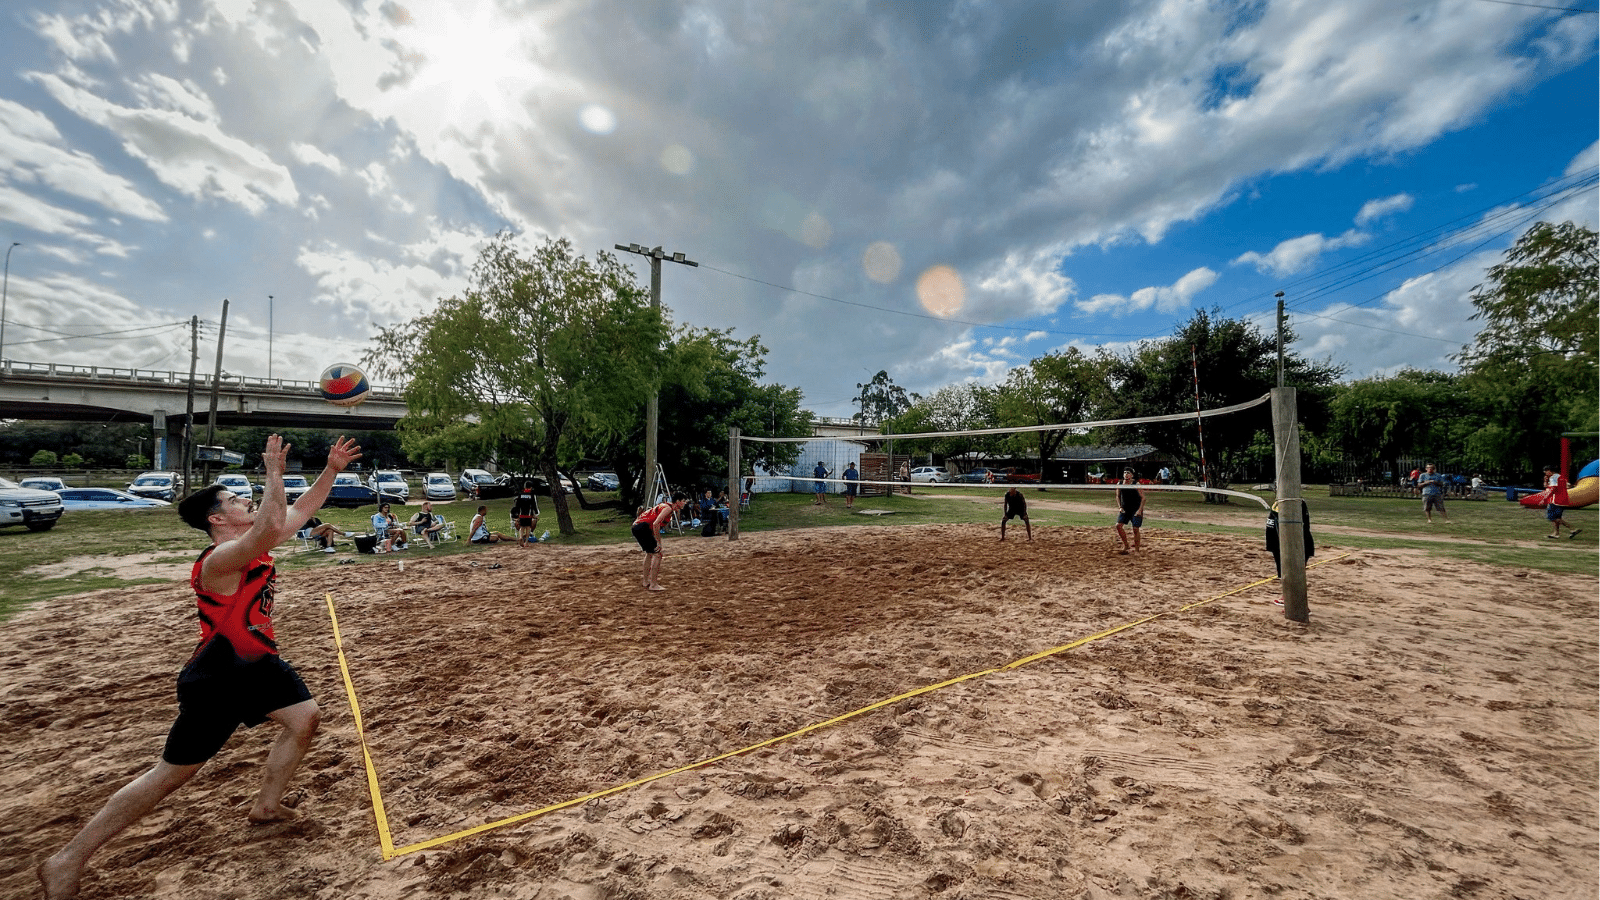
{"type": "Point", "coordinates": [1236, 363]}
{"type": "Point", "coordinates": [43, 458]}
{"type": "Point", "coordinates": [541, 344]}
{"type": "Point", "coordinates": [956, 407]}
{"type": "Point", "coordinates": [1532, 368]}
{"type": "Point", "coordinates": [72, 461]}
{"type": "Point", "coordinates": [880, 399]}
{"type": "Point", "coordinates": [1414, 413]}
{"type": "Point", "coordinates": [1057, 388]}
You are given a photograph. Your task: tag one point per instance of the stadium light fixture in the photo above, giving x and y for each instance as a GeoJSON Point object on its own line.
{"type": "Point", "coordinates": [5, 290]}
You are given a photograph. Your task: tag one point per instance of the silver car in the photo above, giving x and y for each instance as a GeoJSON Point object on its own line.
{"type": "Point", "coordinates": [438, 486]}
{"type": "Point", "coordinates": [929, 475]}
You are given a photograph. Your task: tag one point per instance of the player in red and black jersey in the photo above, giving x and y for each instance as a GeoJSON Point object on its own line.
{"type": "Point", "coordinates": [235, 676]}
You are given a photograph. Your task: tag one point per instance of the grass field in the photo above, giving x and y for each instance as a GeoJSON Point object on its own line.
{"type": "Point", "coordinates": [79, 550]}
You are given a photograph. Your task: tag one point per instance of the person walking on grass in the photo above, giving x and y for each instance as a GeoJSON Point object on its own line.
{"type": "Point", "coordinates": [1130, 510]}
{"type": "Point", "coordinates": [235, 676]}
{"type": "Point", "coordinates": [1015, 506]}
{"type": "Point", "coordinates": [647, 531]}
{"type": "Point", "coordinates": [1432, 484]}
{"type": "Point", "coordinates": [1555, 504]}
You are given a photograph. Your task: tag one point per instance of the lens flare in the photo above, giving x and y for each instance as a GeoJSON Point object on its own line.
{"type": "Point", "coordinates": [815, 231]}
{"type": "Point", "coordinates": [677, 159]}
{"type": "Point", "coordinates": [940, 291]}
{"type": "Point", "coordinates": [597, 119]}
{"type": "Point", "coordinates": [882, 262]}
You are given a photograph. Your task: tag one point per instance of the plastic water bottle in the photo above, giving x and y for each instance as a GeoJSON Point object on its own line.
{"type": "Point", "coordinates": [545, 536]}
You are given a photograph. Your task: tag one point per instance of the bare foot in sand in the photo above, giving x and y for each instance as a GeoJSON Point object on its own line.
{"type": "Point", "coordinates": [259, 816]}
{"type": "Point", "coordinates": [657, 587]}
{"type": "Point", "coordinates": [59, 877]}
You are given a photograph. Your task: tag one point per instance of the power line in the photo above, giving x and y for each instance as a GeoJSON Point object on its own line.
{"type": "Point", "coordinates": [1566, 9]}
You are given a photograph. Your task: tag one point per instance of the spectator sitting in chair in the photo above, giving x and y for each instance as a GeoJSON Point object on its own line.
{"type": "Point", "coordinates": [391, 535]}
{"type": "Point", "coordinates": [322, 533]}
{"type": "Point", "coordinates": [425, 524]}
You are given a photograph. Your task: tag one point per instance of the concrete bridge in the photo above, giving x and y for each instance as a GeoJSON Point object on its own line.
{"type": "Point", "coordinates": [57, 392]}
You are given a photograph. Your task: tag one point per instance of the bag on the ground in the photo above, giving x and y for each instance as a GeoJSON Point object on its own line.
{"type": "Point", "coordinates": [366, 543]}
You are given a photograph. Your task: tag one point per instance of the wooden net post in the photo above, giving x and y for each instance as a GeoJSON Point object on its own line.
{"type": "Point", "coordinates": [1291, 514]}
{"type": "Point", "coordinates": [734, 497]}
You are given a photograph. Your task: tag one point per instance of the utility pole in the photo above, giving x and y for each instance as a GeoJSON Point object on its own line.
{"type": "Point", "coordinates": [188, 415]}
{"type": "Point", "coordinates": [269, 339]}
{"type": "Point", "coordinates": [1279, 295]}
{"type": "Point", "coordinates": [652, 413]}
{"type": "Point", "coordinates": [216, 382]}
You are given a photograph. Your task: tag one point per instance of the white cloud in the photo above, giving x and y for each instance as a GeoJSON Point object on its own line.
{"type": "Point", "coordinates": [1020, 284]}
{"type": "Point", "coordinates": [33, 152]}
{"type": "Point", "coordinates": [311, 156]}
{"type": "Point", "coordinates": [1377, 209]}
{"type": "Point", "coordinates": [1179, 295]}
{"type": "Point", "coordinates": [190, 155]}
{"type": "Point", "coordinates": [1297, 254]}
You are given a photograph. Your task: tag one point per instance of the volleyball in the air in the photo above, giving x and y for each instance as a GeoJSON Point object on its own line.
{"type": "Point", "coordinates": [343, 385]}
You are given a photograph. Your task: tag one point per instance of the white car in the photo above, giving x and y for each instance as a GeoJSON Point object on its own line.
{"type": "Point", "coordinates": [158, 486]}
{"type": "Point", "coordinates": [238, 484]}
{"type": "Point", "coordinates": [39, 510]}
{"type": "Point", "coordinates": [929, 475]}
{"type": "Point", "coordinates": [438, 486]}
{"type": "Point", "coordinates": [390, 483]}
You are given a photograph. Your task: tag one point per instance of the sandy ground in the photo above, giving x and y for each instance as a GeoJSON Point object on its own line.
{"type": "Point", "coordinates": [1431, 734]}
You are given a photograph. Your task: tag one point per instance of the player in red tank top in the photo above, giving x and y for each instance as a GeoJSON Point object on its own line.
{"type": "Point", "coordinates": [235, 676]}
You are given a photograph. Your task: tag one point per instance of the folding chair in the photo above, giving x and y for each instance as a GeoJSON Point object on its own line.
{"type": "Point", "coordinates": [744, 501]}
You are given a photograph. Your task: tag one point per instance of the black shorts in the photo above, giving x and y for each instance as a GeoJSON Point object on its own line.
{"type": "Point", "coordinates": [525, 521]}
{"type": "Point", "coordinates": [211, 706]}
{"type": "Point", "coordinates": [646, 536]}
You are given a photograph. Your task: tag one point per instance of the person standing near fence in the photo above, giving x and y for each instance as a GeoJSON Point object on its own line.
{"type": "Point", "coordinates": [819, 491]}
{"type": "Point", "coordinates": [1432, 484]}
{"type": "Point", "coordinates": [851, 476]}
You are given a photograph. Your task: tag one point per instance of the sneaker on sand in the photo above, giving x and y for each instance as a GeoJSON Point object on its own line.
{"type": "Point", "coordinates": [328, 550]}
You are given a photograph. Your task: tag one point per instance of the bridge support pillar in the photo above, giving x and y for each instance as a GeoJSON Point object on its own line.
{"type": "Point", "coordinates": [166, 445]}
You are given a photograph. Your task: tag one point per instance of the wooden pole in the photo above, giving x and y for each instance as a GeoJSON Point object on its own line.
{"type": "Point", "coordinates": [216, 386]}
{"type": "Point", "coordinates": [1291, 509]}
{"type": "Point", "coordinates": [733, 483]}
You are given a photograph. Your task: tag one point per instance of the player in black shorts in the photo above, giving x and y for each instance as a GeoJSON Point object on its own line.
{"type": "Point", "coordinates": [1016, 507]}
{"type": "Point", "coordinates": [235, 676]}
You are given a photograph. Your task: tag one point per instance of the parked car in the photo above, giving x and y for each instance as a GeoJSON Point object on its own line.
{"type": "Point", "coordinates": [44, 483]}
{"type": "Point", "coordinates": [39, 510]}
{"type": "Point", "coordinates": [238, 484]}
{"type": "Point", "coordinates": [929, 475]}
{"type": "Point", "coordinates": [391, 484]}
{"type": "Point", "coordinates": [602, 481]}
{"type": "Point", "coordinates": [438, 486]}
{"type": "Point", "coordinates": [158, 485]}
{"type": "Point", "coordinates": [981, 475]}
{"type": "Point", "coordinates": [348, 491]}
{"type": "Point", "coordinates": [106, 498]}
{"type": "Point", "coordinates": [294, 486]}
{"type": "Point", "coordinates": [480, 485]}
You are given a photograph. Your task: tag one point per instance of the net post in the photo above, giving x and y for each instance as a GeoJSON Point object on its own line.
{"type": "Point", "coordinates": [1291, 515]}
{"type": "Point", "coordinates": [734, 497]}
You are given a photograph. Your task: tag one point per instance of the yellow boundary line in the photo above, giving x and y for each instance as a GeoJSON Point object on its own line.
{"type": "Point", "coordinates": [390, 851]}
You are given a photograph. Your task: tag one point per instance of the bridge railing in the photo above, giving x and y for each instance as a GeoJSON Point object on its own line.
{"type": "Point", "coordinates": [19, 368]}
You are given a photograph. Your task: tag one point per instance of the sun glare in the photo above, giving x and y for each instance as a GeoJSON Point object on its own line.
{"type": "Point", "coordinates": [474, 52]}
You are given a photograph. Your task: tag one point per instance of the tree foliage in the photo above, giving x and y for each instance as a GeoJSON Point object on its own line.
{"type": "Point", "coordinates": [956, 407]}
{"type": "Point", "coordinates": [543, 343]}
{"type": "Point", "coordinates": [881, 399]}
{"type": "Point", "coordinates": [1532, 368]}
{"type": "Point", "coordinates": [1236, 363]}
{"type": "Point", "coordinates": [1058, 388]}
{"type": "Point", "coordinates": [1414, 413]}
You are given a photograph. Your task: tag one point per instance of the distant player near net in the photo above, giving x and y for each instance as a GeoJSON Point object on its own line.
{"type": "Point", "coordinates": [235, 676]}
{"type": "Point", "coordinates": [647, 531]}
{"type": "Point", "coordinates": [1016, 506]}
{"type": "Point", "coordinates": [1130, 510]}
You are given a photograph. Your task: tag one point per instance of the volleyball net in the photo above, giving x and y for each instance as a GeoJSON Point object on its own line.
{"type": "Point", "coordinates": [834, 478]}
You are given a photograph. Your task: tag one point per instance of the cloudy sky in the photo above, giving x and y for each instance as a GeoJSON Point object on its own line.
{"type": "Point", "coordinates": [942, 190]}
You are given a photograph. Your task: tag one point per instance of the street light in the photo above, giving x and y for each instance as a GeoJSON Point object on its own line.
{"type": "Point", "coordinates": [5, 289]}
{"type": "Point", "coordinates": [269, 337]}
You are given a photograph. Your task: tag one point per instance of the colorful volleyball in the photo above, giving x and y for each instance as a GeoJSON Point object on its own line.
{"type": "Point", "coordinates": [344, 385]}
